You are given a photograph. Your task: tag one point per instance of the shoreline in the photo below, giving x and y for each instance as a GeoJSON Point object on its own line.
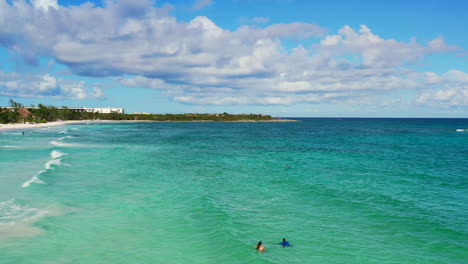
{"type": "Point", "coordinates": [18, 126]}
{"type": "Point", "coordinates": [4, 127]}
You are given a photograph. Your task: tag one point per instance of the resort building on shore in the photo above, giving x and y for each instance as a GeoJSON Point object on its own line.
{"type": "Point", "coordinates": [106, 110]}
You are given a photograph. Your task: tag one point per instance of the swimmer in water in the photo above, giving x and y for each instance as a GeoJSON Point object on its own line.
{"type": "Point", "coordinates": [259, 246]}
{"type": "Point", "coordinates": [284, 243]}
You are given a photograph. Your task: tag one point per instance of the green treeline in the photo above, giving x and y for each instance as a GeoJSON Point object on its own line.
{"type": "Point", "coordinates": [185, 117]}
{"type": "Point", "coordinates": [18, 113]}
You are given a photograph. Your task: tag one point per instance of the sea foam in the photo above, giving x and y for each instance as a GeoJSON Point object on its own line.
{"type": "Point", "coordinates": [16, 220]}
{"type": "Point", "coordinates": [12, 212]}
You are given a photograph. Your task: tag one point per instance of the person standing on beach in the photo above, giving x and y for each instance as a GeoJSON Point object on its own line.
{"type": "Point", "coordinates": [260, 247]}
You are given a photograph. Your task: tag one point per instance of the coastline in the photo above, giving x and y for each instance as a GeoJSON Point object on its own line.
{"type": "Point", "coordinates": [19, 126]}
{"type": "Point", "coordinates": [37, 125]}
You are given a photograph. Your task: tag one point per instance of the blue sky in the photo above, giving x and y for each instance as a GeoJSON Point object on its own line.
{"type": "Point", "coordinates": [285, 57]}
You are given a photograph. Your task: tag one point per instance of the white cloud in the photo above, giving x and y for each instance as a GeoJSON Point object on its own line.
{"type": "Point", "coordinates": [456, 76]}
{"type": "Point", "coordinates": [432, 78]}
{"type": "Point", "coordinates": [118, 39]}
{"type": "Point", "coordinates": [45, 4]}
{"type": "Point", "coordinates": [438, 45]}
{"type": "Point", "coordinates": [452, 93]}
{"type": "Point", "coordinates": [374, 50]}
{"type": "Point", "coordinates": [74, 90]}
{"type": "Point", "coordinates": [331, 40]}
{"type": "Point", "coordinates": [143, 82]}
{"type": "Point", "coordinates": [198, 62]}
{"type": "Point", "coordinates": [97, 93]}
{"type": "Point", "coordinates": [447, 97]}
{"type": "Point", "coordinates": [14, 84]}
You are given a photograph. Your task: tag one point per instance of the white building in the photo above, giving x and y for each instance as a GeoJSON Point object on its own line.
{"type": "Point", "coordinates": [106, 110]}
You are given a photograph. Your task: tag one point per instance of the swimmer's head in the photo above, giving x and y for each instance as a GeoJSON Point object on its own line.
{"type": "Point", "coordinates": [284, 239]}
{"type": "Point", "coordinates": [259, 244]}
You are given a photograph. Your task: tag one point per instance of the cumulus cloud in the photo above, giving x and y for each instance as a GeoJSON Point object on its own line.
{"type": "Point", "coordinates": [450, 89]}
{"type": "Point", "coordinates": [446, 97]}
{"type": "Point", "coordinates": [45, 4]}
{"type": "Point", "coordinates": [438, 45]}
{"type": "Point", "coordinates": [14, 84]}
{"type": "Point", "coordinates": [450, 77]}
{"type": "Point", "coordinates": [143, 82]}
{"type": "Point", "coordinates": [198, 62]}
{"type": "Point", "coordinates": [456, 76]}
{"type": "Point", "coordinates": [432, 78]}
{"type": "Point", "coordinates": [376, 51]}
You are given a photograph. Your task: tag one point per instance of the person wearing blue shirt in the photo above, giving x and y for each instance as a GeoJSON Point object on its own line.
{"type": "Point", "coordinates": [284, 243]}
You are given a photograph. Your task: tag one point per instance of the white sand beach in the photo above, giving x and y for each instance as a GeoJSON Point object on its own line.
{"type": "Point", "coordinates": [19, 126]}
{"type": "Point", "coordinates": [37, 125]}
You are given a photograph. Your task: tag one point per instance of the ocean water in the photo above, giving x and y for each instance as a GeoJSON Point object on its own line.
{"type": "Point", "coordinates": [340, 190]}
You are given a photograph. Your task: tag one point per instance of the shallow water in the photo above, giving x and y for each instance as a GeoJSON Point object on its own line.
{"type": "Point", "coordinates": [341, 191]}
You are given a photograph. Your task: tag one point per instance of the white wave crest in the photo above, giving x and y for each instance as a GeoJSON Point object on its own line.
{"type": "Point", "coordinates": [34, 179]}
{"type": "Point", "coordinates": [59, 142]}
{"type": "Point", "coordinates": [462, 130]}
{"type": "Point", "coordinates": [56, 162]}
{"type": "Point", "coordinates": [57, 154]}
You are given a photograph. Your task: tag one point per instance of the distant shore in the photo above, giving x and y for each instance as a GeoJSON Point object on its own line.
{"type": "Point", "coordinates": [20, 126]}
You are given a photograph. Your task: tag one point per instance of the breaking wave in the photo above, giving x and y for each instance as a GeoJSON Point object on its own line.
{"type": "Point", "coordinates": [56, 154]}
{"type": "Point", "coordinates": [50, 163]}
{"type": "Point", "coordinates": [54, 162]}
{"type": "Point", "coordinates": [34, 179]}
{"type": "Point", "coordinates": [59, 142]}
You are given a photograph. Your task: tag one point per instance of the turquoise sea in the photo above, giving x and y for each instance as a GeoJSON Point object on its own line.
{"type": "Point", "coordinates": [340, 190]}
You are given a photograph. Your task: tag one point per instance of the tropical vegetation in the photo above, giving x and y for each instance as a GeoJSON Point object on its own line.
{"type": "Point", "coordinates": [17, 112]}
